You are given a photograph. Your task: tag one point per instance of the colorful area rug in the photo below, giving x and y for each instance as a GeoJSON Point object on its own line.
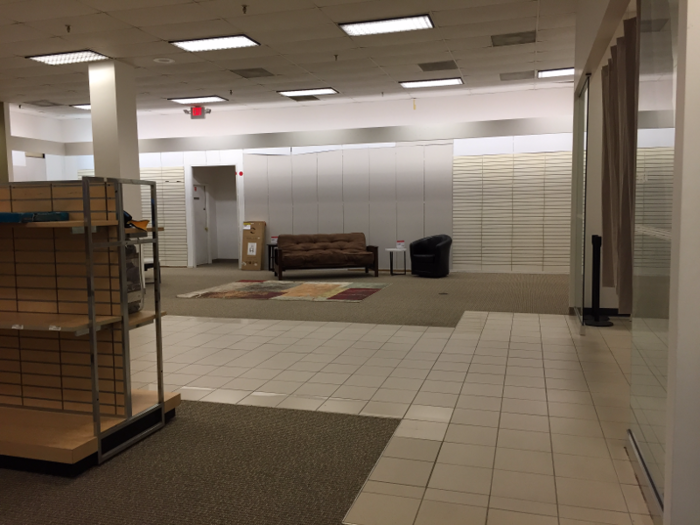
{"type": "Point", "coordinates": [289, 291]}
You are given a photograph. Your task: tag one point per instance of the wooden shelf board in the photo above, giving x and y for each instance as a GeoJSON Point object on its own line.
{"type": "Point", "coordinates": [62, 437]}
{"type": "Point", "coordinates": [142, 318]}
{"type": "Point", "coordinates": [50, 322]}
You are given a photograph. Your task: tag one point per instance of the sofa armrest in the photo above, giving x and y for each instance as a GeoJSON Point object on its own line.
{"type": "Point", "coordinates": [373, 249]}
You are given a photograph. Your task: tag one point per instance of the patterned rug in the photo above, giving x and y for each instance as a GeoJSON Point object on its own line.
{"type": "Point", "coordinates": [289, 291]}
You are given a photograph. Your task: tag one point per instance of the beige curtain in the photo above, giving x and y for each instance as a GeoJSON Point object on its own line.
{"type": "Point", "coordinates": [620, 106]}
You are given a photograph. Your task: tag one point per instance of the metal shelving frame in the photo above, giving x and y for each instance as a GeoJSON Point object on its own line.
{"type": "Point", "coordinates": [124, 239]}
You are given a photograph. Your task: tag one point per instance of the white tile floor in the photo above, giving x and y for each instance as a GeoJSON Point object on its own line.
{"type": "Point", "coordinates": [508, 419]}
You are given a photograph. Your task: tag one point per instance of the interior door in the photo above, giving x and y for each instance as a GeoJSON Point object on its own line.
{"type": "Point", "coordinates": [201, 226]}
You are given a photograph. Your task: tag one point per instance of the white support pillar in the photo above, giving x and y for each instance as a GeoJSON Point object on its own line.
{"type": "Point", "coordinates": [6, 174]}
{"type": "Point", "coordinates": [114, 127]}
{"type": "Point", "coordinates": [681, 502]}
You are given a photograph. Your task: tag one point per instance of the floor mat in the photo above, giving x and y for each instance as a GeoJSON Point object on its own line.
{"type": "Point", "coordinates": [214, 464]}
{"type": "Point", "coordinates": [290, 291]}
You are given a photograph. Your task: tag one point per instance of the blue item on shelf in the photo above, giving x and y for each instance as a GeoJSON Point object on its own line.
{"type": "Point", "coordinates": [24, 217]}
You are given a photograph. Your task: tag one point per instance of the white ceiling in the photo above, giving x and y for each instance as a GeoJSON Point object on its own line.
{"type": "Point", "coordinates": [302, 46]}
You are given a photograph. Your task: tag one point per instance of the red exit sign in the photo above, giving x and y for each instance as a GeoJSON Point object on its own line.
{"type": "Point", "coordinates": [198, 112]}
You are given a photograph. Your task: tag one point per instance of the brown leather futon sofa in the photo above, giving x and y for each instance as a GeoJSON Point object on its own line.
{"type": "Point", "coordinates": [313, 252]}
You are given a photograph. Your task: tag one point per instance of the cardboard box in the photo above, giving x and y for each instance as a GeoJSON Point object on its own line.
{"type": "Point", "coordinates": [253, 245]}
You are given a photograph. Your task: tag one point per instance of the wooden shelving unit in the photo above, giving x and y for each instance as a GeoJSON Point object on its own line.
{"type": "Point", "coordinates": [65, 385]}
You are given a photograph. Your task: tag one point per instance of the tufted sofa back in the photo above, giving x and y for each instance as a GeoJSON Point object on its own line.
{"type": "Point", "coordinates": [337, 241]}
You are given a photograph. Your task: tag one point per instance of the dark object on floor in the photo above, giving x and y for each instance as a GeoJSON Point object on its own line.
{"type": "Point", "coordinates": [24, 217]}
{"type": "Point", "coordinates": [216, 464]}
{"type": "Point", "coordinates": [430, 257]}
{"type": "Point", "coordinates": [321, 251]}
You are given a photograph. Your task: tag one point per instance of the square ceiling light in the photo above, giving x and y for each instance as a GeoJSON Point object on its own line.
{"type": "Point", "coordinates": [308, 92]}
{"type": "Point", "coordinates": [74, 57]}
{"type": "Point", "coordinates": [415, 84]}
{"type": "Point", "coordinates": [199, 100]}
{"type": "Point", "coordinates": [215, 44]}
{"type": "Point", "coordinates": [392, 25]}
{"type": "Point", "coordinates": [86, 107]}
{"type": "Point", "coordinates": [553, 73]}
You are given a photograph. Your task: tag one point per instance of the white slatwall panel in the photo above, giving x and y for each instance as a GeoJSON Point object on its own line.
{"type": "Point", "coordinates": [256, 185]}
{"type": "Point", "coordinates": [653, 212]}
{"type": "Point", "coordinates": [511, 213]}
{"type": "Point", "coordinates": [330, 192]}
{"type": "Point", "coordinates": [557, 212]}
{"type": "Point", "coordinates": [170, 188]}
{"type": "Point", "coordinates": [305, 193]}
{"type": "Point", "coordinates": [356, 191]}
{"type": "Point", "coordinates": [438, 189]}
{"type": "Point", "coordinates": [409, 194]}
{"type": "Point", "coordinates": [281, 212]}
{"type": "Point", "coordinates": [382, 201]}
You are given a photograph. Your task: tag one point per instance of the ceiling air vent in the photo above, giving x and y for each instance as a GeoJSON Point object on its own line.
{"type": "Point", "coordinates": [255, 72]}
{"type": "Point", "coordinates": [518, 75]}
{"type": "Point", "coordinates": [43, 104]}
{"type": "Point", "coordinates": [514, 39]}
{"type": "Point", "coordinates": [305, 98]}
{"type": "Point", "coordinates": [438, 66]}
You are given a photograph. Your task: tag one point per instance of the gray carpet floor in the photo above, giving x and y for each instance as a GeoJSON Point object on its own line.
{"type": "Point", "coordinates": [214, 464]}
{"type": "Point", "coordinates": [410, 300]}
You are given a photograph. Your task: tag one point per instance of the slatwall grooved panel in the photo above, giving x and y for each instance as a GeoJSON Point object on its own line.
{"type": "Point", "coordinates": [653, 210]}
{"type": "Point", "coordinates": [43, 271]}
{"type": "Point", "coordinates": [511, 213]}
{"type": "Point", "coordinates": [170, 192]}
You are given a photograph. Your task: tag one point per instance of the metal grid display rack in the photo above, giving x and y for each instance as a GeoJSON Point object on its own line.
{"type": "Point", "coordinates": [64, 326]}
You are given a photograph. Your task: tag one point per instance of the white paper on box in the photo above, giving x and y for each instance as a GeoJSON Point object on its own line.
{"type": "Point", "coordinates": [252, 248]}
{"type": "Point", "coordinates": [247, 227]}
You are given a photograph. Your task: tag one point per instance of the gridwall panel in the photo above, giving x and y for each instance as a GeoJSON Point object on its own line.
{"type": "Point", "coordinates": [52, 370]}
{"type": "Point", "coordinates": [512, 213]}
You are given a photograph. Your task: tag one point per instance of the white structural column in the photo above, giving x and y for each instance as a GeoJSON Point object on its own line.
{"type": "Point", "coordinates": [5, 148]}
{"type": "Point", "coordinates": [114, 127]}
{"type": "Point", "coordinates": [682, 505]}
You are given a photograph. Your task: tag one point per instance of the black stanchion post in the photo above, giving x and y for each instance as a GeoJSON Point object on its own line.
{"type": "Point", "coordinates": [596, 319]}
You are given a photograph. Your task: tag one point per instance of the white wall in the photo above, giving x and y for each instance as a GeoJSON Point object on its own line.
{"type": "Point", "coordinates": [389, 193]}
{"type": "Point", "coordinates": [27, 169]}
{"type": "Point", "coordinates": [432, 112]}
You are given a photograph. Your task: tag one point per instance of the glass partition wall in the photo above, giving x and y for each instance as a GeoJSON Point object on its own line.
{"type": "Point", "coordinates": [652, 254]}
{"type": "Point", "coordinates": [579, 204]}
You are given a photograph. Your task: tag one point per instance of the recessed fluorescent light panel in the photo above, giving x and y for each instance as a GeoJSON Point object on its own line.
{"type": "Point", "coordinates": [432, 83]}
{"type": "Point", "coordinates": [74, 57]}
{"type": "Point", "coordinates": [215, 44]}
{"type": "Point", "coordinates": [394, 25]}
{"type": "Point", "coordinates": [198, 100]}
{"type": "Point", "coordinates": [551, 73]}
{"type": "Point", "coordinates": [86, 107]}
{"type": "Point", "coordinates": [309, 92]}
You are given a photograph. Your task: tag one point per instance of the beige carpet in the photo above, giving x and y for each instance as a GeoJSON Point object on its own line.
{"type": "Point", "coordinates": [410, 300]}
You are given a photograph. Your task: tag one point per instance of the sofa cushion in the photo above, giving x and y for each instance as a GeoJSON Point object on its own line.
{"type": "Point", "coordinates": [327, 258]}
{"type": "Point", "coordinates": [354, 242]}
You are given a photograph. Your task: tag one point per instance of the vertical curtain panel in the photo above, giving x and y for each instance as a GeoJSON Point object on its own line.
{"type": "Point", "coordinates": [620, 103]}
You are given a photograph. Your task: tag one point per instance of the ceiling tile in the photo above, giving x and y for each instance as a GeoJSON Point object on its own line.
{"type": "Point", "coordinates": [120, 5]}
{"type": "Point", "coordinates": [229, 9]}
{"type": "Point", "coordinates": [19, 32]}
{"type": "Point", "coordinates": [478, 15]}
{"type": "Point", "coordinates": [192, 30]}
{"type": "Point", "coordinates": [79, 24]}
{"type": "Point", "coordinates": [154, 16]}
{"type": "Point", "coordinates": [27, 10]}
